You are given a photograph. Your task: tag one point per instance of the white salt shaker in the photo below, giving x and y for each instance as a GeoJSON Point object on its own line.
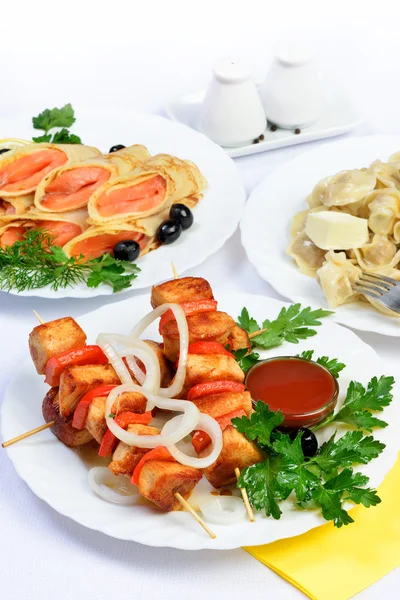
{"type": "Point", "coordinates": [232, 113]}
{"type": "Point", "coordinates": [292, 92]}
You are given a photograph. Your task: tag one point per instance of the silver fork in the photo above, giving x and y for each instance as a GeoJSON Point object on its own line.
{"type": "Point", "coordinates": [380, 288]}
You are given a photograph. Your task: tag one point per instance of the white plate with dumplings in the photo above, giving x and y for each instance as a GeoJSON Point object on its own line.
{"type": "Point", "coordinates": [267, 226]}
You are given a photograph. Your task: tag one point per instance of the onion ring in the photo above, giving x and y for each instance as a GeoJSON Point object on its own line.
{"type": "Point", "coordinates": [210, 426]}
{"type": "Point", "coordinates": [99, 480]}
{"type": "Point", "coordinates": [188, 421]}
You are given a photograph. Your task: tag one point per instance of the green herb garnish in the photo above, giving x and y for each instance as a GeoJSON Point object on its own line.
{"type": "Point", "coordinates": [35, 262]}
{"type": "Point", "coordinates": [359, 403]}
{"type": "Point", "coordinates": [292, 324]}
{"type": "Point", "coordinates": [245, 358]}
{"type": "Point", "coordinates": [325, 481]}
{"type": "Point", "coordinates": [49, 119]}
{"type": "Point", "coordinates": [111, 416]}
{"type": "Point", "coordinates": [332, 364]}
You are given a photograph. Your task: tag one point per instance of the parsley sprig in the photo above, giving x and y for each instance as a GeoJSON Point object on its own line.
{"type": "Point", "coordinates": [332, 364]}
{"type": "Point", "coordinates": [325, 481]}
{"type": "Point", "coordinates": [49, 119]}
{"type": "Point", "coordinates": [291, 325]}
{"type": "Point", "coordinates": [35, 262]}
{"type": "Point", "coordinates": [360, 401]}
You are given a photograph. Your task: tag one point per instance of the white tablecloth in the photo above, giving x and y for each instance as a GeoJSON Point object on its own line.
{"type": "Point", "coordinates": [129, 55]}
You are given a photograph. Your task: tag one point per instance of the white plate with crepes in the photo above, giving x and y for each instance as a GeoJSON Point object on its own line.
{"type": "Point", "coordinates": [216, 215]}
{"type": "Point", "coordinates": [280, 196]}
{"type": "Point", "coordinates": [59, 475]}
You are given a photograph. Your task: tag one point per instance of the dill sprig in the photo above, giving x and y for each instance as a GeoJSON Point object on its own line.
{"type": "Point", "coordinates": [35, 262]}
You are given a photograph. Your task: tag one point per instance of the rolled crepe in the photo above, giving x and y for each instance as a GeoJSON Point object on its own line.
{"type": "Point", "coordinates": [16, 205]}
{"type": "Point", "coordinates": [160, 182]}
{"type": "Point", "coordinates": [70, 187]}
{"type": "Point", "coordinates": [63, 226]}
{"type": "Point", "coordinates": [22, 169]}
{"type": "Point", "coordinates": [100, 239]}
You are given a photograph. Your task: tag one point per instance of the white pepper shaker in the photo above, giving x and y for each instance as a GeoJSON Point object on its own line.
{"type": "Point", "coordinates": [232, 113]}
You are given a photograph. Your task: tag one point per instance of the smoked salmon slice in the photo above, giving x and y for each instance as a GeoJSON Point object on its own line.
{"type": "Point", "coordinates": [93, 247]}
{"type": "Point", "coordinates": [63, 231]}
{"type": "Point", "coordinates": [28, 170]}
{"type": "Point", "coordinates": [136, 198]}
{"type": "Point", "coordinates": [73, 188]}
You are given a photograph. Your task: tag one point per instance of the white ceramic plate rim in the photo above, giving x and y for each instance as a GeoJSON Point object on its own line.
{"type": "Point", "coordinates": [271, 206]}
{"type": "Point", "coordinates": [215, 220]}
{"type": "Point", "coordinates": [37, 459]}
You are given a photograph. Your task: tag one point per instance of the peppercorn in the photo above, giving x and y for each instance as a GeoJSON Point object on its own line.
{"type": "Point", "coordinates": [261, 137]}
{"type": "Point", "coordinates": [297, 131]}
{"type": "Point", "coordinates": [273, 128]}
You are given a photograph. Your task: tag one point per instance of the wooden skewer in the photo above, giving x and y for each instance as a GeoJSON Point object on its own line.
{"type": "Point", "coordinates": [255, 333]}
{"type": "Point", "coordinates": [27, 434]}
{"type": "Point", "coordinates": [245, 498]}
{"type": "Point", "coordinates": [175, 272]}
{"type": "Point", "coordinates": [39, 318]}
{"type": "Point", "coordinates": [195, 515]}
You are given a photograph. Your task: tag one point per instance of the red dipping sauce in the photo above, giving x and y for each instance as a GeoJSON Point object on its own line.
{"type": "Point", "coordinates": [304, 391]}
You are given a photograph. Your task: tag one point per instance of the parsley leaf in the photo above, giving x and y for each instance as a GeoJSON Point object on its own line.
{"type": "Point", "coordinates": [246, 322]}
{"type": "Point", "coordinates": [292, 324]}
{"type": "Point", "coordinates": [325, 481]}
{"type": "Point", "coordinates": [351, 448]}
{"type": "Point", "coordinates": [55, 117]}
{"type": "Point", "coordinates": [332, 364]}
{"type": "Point", "coordinates": [42, 138]}
{"type": "Point", "coordinates": [65, 137]}
{"type": "Point", "coordinates": [245, 359]}
{"type": "Point", "coordinates": [260, 424]}
{"type": "Point", "coordinates": [360, 401]}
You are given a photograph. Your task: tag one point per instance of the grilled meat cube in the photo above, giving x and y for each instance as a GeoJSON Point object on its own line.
{"type": "Point", "coordinates": [185, 289]}
{"type": "Point", "coordinates": [218, 405]}
{"type": "Point", "coordinates": [160, 480]}
{"type": "Point", "coordinates": [125, 458]}
{"type": "Point", "coordinates": [76, 380]}
{"type": "Point", "coordinates": [237, 451]}
{"type": "Point", "coordinates": [210, 367]}
{"type": "Point", "coordinates": [209, 326]}
{"type": "Point", "coordinates": [52, 338]}
{"type": "Point", "coordinates": [127, 402]}
{"type": "Point", "coordinates": [62, 428]}
{"type": "Point", "coordinates": [239, 338]}
{"type": "Point", "coordinates": [166, 373]}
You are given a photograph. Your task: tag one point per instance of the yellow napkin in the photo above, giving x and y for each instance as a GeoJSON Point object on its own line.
{"type": "Point", "coordinates": [327, 563]}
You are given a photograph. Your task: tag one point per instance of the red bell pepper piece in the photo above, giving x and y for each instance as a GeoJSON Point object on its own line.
{"type": "Point", "coordinates": [88, 355]}
{"type": "Point", "coordinates": [82, 409]}
{"type": "Point", "coordinates": [208, 348]}
{"type": "Point", "coordinates": [189, 308]}
{"type": "Point", "coordinates": [214, 387]}
{"type": "Point", "coordinates": [201, 439]}
{"type": "Point", "coordinates": [160, 453]}
{"type": "Point", "coordinates": [123, 420]}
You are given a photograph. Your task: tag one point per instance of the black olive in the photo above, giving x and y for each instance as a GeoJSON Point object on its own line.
{"type": "Point", "coordinates": [309, 442]}
{"type": "Point", "coordinates": [169, 231]}
{"type": "Point", "coordinates": [127, 250]}
{"type": "Point", "coordinates": [117, 147]}
{"type": "Point", "coordinates": [182, 214]}
{"type": "Point", "coordinates": [2, 150]}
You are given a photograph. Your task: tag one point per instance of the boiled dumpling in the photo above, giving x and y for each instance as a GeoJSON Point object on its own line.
{"type": "Point", "coordinates": [337, 277]}
{"type": "Point", "coordinates": [384, 208]}
{"type": "Point", "coordinates": [298, 223]}
{"type": "Point", "coordinates": [379, 252]}
{"type": "Point", "coordinates": [348, 187]}
{"type": "Point", "coordinates": [396, 232]}
{"type": "Point", "coordinates": [387, 175]}
{"type": "Point", "coordinates": [307, 255]}
{"type": "Point", "coordinates": [317, 196]}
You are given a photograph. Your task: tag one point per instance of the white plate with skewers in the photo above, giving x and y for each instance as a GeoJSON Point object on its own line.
{"type": "Point", "coordinates": [216, 214]}
{"type": "Point", "coordinates": [59, 475]}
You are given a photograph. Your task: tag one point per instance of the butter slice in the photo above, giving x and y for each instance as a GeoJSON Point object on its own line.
{"type": "Point", "coordinates": [336, 231]}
